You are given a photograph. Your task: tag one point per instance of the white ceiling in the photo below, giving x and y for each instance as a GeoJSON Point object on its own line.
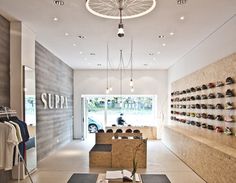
{"type": "Point", "coordinates": [202, 17]}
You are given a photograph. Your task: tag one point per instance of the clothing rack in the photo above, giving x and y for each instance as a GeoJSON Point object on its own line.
{"type": "Point", "coordinates": [9, 112]}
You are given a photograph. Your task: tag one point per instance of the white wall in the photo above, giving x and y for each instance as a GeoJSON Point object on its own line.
{"type": "Point", "coordinates": [218, 45]}
{"type": "Point", "coordinates": [88, 82]}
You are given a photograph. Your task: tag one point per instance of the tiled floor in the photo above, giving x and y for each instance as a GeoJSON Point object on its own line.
{"type": "Point", "coordinates": [74, 157]}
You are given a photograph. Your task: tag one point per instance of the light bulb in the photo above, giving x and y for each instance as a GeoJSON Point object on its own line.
{"type": "Point", "coordinates": [121, 32]}
{"type": "Point", "coordinates": [110, 88]}
{"type": "Point", "coordinates": [131, 83]}
{"type": "Point", "coordinates": [132, 89]}
{"type": "Point", "coordinates": [107, 90]}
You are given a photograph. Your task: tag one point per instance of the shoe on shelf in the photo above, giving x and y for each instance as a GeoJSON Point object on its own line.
{"type": "Point", "coordinates": [193, 123]}
{"type": "Point", "coordinates": [198, 88]}
{"type": "Point", "coordinates": [198, 124]}
{"type": "Point", "coordinates": [211, 85]}
{"type": "Point", "coordinates": [229, 93]}
{"type": "Point", "coordinates": [219, 129]}
{"type": "Point", "coordinates": [229, 80]}
{"type": "Point", "coordinates": [220, 95]}
{"type": "Point", "coordinates": [210, 127]}
{"type": "Point", "coordinates": [193, 106]}
{"type": "Point", "coordinates": [229, 106]}
{"type": "Point", "coordinates": [211, 96]}
{"type": "Point", "coordinates": [204, 106]}
{"type": "Point", "coordinates": [184, 92]}
{"type": "Point", "coordinates": [198, 106]}
{"type": "Point", "coordinates": [204, 115]}
{"type": "Point", "coordinates": [193, 114]}
{"type": "Point", "coordinates": [219, 84]}
{"type": "Point", "coordinates": [219, 106]}
{"type": "Point", "coordinates": [229, 119]}
{"type": "Point", "coordinates": [192, 98]}
{"type": "Point", "coordinates": [228, 131]}
{"type": "Point", "coordinates": [204, 97]}
{"type": "Point", "coordinates": [210, 116]}
{"type": "Point", "coordinates": [188, 91]}
{"type": "Point", "coordinates": [198, 97]}
{"type": "Point", "coordinates": [219, 118]}
{"type": "Point", "coordinates": [198, 115]}
{"type": "Point", "coordinates": [204, 87]}
{"type": "Point", "coordinates": [188, 99]}
{"type": "Point", "coordinates": [210, 106]}
{"type": "Point", "coordinates": [193, 89]}
{"type": "Point", "coordinates": [204, 125]}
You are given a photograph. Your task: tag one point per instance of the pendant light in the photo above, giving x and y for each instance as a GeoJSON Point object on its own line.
{"type": "Point", "coordinates": [131, 83]}
{"type": "Point", "coordinates": [107, 73]}
{"type": "Point", "coordinates": [121, 32]}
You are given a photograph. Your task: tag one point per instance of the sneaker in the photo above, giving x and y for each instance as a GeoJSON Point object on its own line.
{"type": "Point", "coordinates": [198, 88]}
{"type": "Point", "coordinates": [188, 91]}
{"type": "Point", "coordinates": [198, 115]}
{"type": "Point", "coordinates": [198, 106]}
{"type": "Point", "coordinates": [184, 92]}
{"type": "Point", "coordinates": [211, 85]}
{"type": "Point", "coordinates": [204, 87]}
{"type": "Point", "coordinates": [211, 96]}
{"type": "Point", "coordinates": [204, 125]}
{"type": "Point", "coordinates": [177, 99]}
{"type": "Point", "coordinates": [193, 89]}
{"type": "Point", "coordinates": [188, 114]}
{"type": "Point", "coordinates": [192, 98]}
{"type": "Point", "coordinates": [220, 95]}
{"type": "Point", "coordinates": [204, 106]}
{"type": "Point", "coordinates": [188, 106]}
{"type": "Point", "coordinates": [210, 127]}
{"type": "Point", "coordinates": [229, 93]}
{"type": "Point", "coordinates": [188, 122]}
{"type": "Point", "coordinates": [184, 99]}
{"type": "Point", "coordinates": [219, 106]}
{"type": "Point", "coordinates": [219, 84]}
{"type": "Point", "coordinates": [204, 97]}
{"type": "Point", "coordinates": [229, 106]}
{"type": "Point", "coordinates": [193, 106]}
{"type": "Point", "coordinates": [198, 124]}
{"type": "Point", "coordinates": [193, 123]}
{"type": "Point", "coordinates": [228, 131]}
{"type": "Point", "coordinates": [188, 99]}
{"type": "Point", "coordinates": [171, 106]}
{"type": "Point", "coordinates": [229, 80]}
{"type": "Point", "coordinates": [204, 115]}
{"type": "Point", "coordinates": [192, 114]}
{"type": "Point", "coordinates": [198, 97]}
{"type": "Point", "coordinates": [210, 116]}
{"type": "Point", "coordinates": [210, 106]}
{"type": "Point", "coordinates": [219, 118]}
{"type": "Point", "coordinates": [219, 129]}
{"type": "Point", "coordinates": [229, 119]}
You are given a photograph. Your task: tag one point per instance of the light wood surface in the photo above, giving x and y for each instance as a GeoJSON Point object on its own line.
{"type": "Point", "coordinates": [149, 132]}
{"type": "Point", "coordinates": [106, 138]}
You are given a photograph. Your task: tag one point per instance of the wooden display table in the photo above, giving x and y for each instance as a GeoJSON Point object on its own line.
{"type": "Point", "coordinates": [149, 132]}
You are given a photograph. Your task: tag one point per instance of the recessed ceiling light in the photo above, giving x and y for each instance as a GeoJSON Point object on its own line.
{"type": "Point", "coordinates": [80, 52]}
{"type": "Point", "coordinates": [66, 34]}
{"type": "Point", "coordinates": [163, 44]}
{"type": "Point", "coordinates": [161, 36]}
{"type": "Point", "coordinates": [181, 18]}
{"type": "Point", "coordinates": [158, 52]}
{"type": "Point", "coordinates": [172, 33]}
{"type": "Point", "coordinates": [58, 2]}
{"type": "Point", "coordinates": [74, 44]}
{"type": "Point", "coordinates": [55, 19]}
{"type": "Point", "coordinates": [81, 37]}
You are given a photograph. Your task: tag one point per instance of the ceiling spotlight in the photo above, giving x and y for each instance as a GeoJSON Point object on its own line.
{"type": "Point", "coordinates": [172, 33]}
{"type": "Point", "coordinates": [180, 2]}
{"type": "Point", "coordinates": [55, 19]}
{"type": "Point", "coordinates": [81, 37]}
{"type": "Point", "coordinates": [58, 2]}
{"type": "Point", "coordinates": [163, 44]}
{"type": "Point", "coordinates": [92, 54]}
{"type": "Point", "coordinates": [80, 52]}
{"type": "Point", "coordinates": [74, 44]}
{"type": "Point", "coordinates": [158, 52]}
{"type": "Point", "coordinates": [66, 34]}
{"type": "Point", "coordinates": [161, 36]}
{"type": "Point", "coordinates": [181, 18]}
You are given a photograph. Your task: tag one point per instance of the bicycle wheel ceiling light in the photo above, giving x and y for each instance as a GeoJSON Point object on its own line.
{"type": "Point", "coordinates": [110, 8]}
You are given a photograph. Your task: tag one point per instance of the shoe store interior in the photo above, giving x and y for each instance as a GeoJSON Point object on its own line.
{"type": "Point", "coordinates": [111, 91]}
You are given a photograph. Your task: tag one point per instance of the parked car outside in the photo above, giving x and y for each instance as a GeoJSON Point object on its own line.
{"type": "Point", "coordinates": [94, 126]}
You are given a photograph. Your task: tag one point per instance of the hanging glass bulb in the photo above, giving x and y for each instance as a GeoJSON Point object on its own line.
{"type": "Point", "coordinates": [110, 88]}
{"type": "Point", "coordinates": [132, 89]}
{"type": "Point", "coordinates": [107, 90]}
{"type": "Point", "coordinates": [131, 83]}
